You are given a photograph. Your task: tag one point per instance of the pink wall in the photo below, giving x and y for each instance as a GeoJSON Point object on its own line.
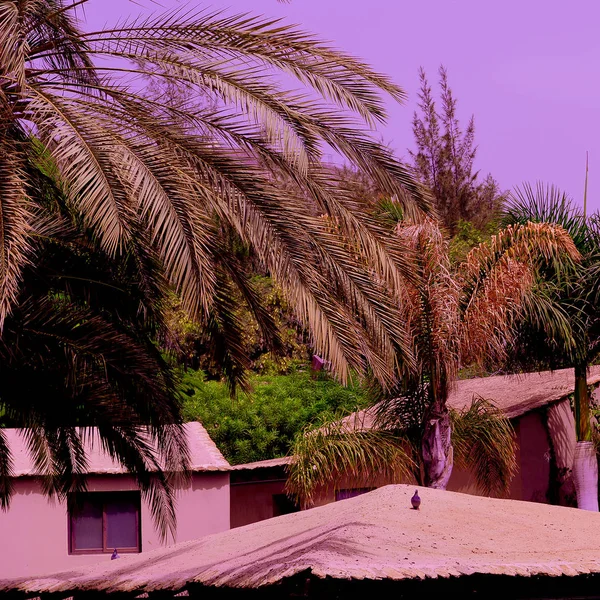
{"type": "Point", "coordinates": [33, 532]}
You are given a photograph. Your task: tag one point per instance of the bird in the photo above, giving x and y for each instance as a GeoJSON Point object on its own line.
{"type": "Point", "coordinates": [115, 554]}
{"type": "Point", "coordinates": [416, 500]}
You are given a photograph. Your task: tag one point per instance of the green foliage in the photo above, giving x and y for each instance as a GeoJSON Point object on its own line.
{"type": "Point", "coordinates": [263, 424]}
{"type": "Point", "coordinates": [187, 341]}
{"type": "Point", "coordinates": [466, 237]}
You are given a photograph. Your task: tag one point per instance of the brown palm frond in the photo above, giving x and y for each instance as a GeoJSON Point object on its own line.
{"type": "Point", "coordinates": [432, 311]}
{"type": "Point", "coordinates": [498, 283]}
{"type": "Point", "coordinates": [484, 443]}
{"type": "Point", "coordinates": [332, 453]}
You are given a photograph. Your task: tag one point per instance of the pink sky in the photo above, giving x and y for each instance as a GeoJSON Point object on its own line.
{"type": "Point", "coordinates": [529, 70]}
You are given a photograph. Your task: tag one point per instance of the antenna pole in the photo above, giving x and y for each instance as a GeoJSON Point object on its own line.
{"type": "Point", "coordinates": [586, 185]}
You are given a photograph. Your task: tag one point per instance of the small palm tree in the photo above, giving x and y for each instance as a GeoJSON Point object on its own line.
{"type": "Point", "coordinates": [577, 343]}
{"type": "Point", "coordinates": [383, 445]}
{"type": "Point", "coordinates": [467, 317]}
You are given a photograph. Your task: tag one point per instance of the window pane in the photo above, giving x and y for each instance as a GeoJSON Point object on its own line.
{"type": "Point", "coordinates": [87, 527]}
{"type": "Point", "coordinates": [121, 524]}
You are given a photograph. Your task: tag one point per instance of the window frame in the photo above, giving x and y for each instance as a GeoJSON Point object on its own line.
{"type": "Point", "coordinates": [104, 498]}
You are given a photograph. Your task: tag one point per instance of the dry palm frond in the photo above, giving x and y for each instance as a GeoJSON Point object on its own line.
{"type": "Point", "coordinates": [498, 283]}
{"type": "Point", "coordinates": [431, 309]}
{"type": "Point", "coordinates": [333, 452]}
{"type": "Point", "coordinates": [484, 443]}
{"type": "Point", "coordinates": [15, 216]}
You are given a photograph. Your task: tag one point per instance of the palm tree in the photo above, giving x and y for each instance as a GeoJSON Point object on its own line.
{"type": "Point", "coordinates": [577, 343]}
{"type": "Point", "coordinates": [463, 318]}
{"type": "Point", "coordinates": [77, 350]}
{"type": "Point", "coordinates": [152, 186]}
{"type": "Point", "coordinates": [179, 172]}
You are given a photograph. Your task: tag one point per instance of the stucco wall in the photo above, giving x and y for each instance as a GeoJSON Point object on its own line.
{"type": "Point", "coordinates": [34, 531]}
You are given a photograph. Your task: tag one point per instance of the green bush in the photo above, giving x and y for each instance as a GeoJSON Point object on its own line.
{"type": "Point", "coordinates": [262, 425]}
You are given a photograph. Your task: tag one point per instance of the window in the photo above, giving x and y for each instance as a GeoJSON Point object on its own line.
{"type": "Point", "coordinates": [101, 522]}
{"type": "Point", "coordinates": [351, 493]}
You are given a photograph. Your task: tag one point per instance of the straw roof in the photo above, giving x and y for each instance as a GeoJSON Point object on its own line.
{"type": "Point", "coordinates": [515, 395]}
{"type": "Point", "coordinates": [371, 537]}
{"type": "Point", "coordinates": [518, 394]}
{"type": "Point", "coordinates": [263, 464]}
{"type": "Point", "coordinates": [204, 454]}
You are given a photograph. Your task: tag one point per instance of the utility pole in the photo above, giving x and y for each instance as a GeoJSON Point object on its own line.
{"type": "Point", "coordinates": [585, 186]}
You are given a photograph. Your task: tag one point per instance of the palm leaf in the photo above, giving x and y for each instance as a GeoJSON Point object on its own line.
{"type": "Point", "coordinates": [484, 443]}
{"type": "Point", "coordinates": [333, 453]}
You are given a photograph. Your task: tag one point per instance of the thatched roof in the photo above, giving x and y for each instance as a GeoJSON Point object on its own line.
{"type": "Point", "coordinates": [263, 464]}
{"type": "Point", "coordinates": [204, 454]}
{"type": "Point", "coordinates": [371, 537]}
{"type": "Point", "coordinates": [515, 395]}
{"type": "Point", "coordinates": [518, 394]}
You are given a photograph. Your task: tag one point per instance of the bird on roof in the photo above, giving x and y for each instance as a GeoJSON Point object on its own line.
{"type": "Point", "coordinates": [416, 500]}
{"type": "Point", "coordinates": [115, 554]}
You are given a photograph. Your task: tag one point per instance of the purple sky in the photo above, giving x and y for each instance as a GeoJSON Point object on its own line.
{"type": "Point", "coordinates": [529, 70]}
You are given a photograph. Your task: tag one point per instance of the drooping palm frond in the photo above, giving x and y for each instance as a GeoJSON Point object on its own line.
{"type": "Point", "coordinates": [431, 307]}
{"type": "Point", "coordinates": [77, 352]}
{"type": "Point", "coordinates": [334, 453]}
{"type": "Point", "coordinates": [15, 214]}
{"type": "Point", "coordinates": [498, 282]}
{"type": "Point", "coordinates": [6, 472]}
{"type": "Point", "coordinates": [483, 440]}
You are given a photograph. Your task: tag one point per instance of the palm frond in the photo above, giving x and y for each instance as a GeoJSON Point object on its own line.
{"type": "Point", "coordinates": [498, 284]}
{"type": "Point", "coordinates": [333, 453]}
{"type": "Point", "coordinates": [6, 472]}
{"type": "Point", "coordinates": [546, 204]}
{"type": "Point", "coordinates": [15, 216]}
{"type": "Point", "coordinates": [484, 443]}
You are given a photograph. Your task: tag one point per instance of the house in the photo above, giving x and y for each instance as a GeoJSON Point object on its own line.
{"type": "Point", "coordinates": [376, 545]}
{"type": "Point", "coordinates": [41, 535]}
{"type": "Point", "coordinates": [258, 491]}
{"type": "Point", "coordinates": [537, 405]}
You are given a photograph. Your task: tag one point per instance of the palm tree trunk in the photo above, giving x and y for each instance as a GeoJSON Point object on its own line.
{"type": "Point", "coordinates": [438, 456]}
{"type": "Point", "coordinates": [582, 404]}
{"type": "Point", "coordinates": [585, 463]}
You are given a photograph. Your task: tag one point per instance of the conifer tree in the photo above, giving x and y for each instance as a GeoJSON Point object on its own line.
{"type": "Point", "coordinates": [444, 159]}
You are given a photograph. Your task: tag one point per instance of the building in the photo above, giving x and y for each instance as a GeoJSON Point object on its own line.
{"type": "Point", "coordinates": [537, 405]}
{"type": "Point", "coordinates": [454, 546]}
{"type": "Point", "coordinates": [42, 535]}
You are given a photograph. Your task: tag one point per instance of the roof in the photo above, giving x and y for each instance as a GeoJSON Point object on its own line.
{"type": "Point", "coordinates": [515, 395]}
{"type": "Point", "coordinates": [518, 394]}
{"type": "Point", "coordinates": [204, 454]}
{"type": "Point", "coordinates": [263, 464]}
{"type": "Point", "coordinates": [370, 537]}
